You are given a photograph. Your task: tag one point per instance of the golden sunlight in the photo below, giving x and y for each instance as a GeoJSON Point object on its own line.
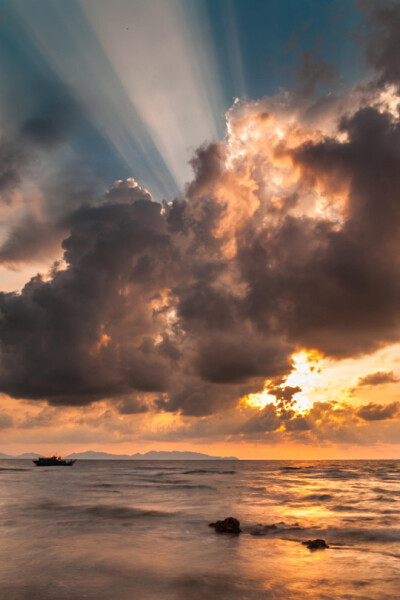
{"type": "Point", "coordinates": [260, 399]}
{"type": "Point", "coordinates": [305, 374]}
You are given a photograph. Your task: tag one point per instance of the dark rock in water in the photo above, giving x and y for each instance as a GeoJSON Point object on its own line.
{"type": "Point", "coordinates": [228, 525]}
{"type": "Point", "coordinates": [315, 544]}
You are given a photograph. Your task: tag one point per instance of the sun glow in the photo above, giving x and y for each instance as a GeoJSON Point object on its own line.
{"type": "Point", "coordinates": [304, 376]}
{"type": "Point", "coordinates": [260, 399]}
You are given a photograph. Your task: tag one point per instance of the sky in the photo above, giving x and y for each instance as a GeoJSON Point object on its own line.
{"type": "Point", "coordinates": [199, 217]}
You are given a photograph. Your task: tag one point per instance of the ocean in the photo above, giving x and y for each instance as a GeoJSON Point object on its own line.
{"type": "Point", "coordinates": [139, 530]}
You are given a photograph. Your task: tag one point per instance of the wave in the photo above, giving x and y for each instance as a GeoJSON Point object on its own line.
{"type": "Point", "coordinates": [173, 485]}
{"type": "Point", "coordinates": [176, 469]}
{"type": "Point", "coordinates": [101, 485]}
{"type": "Point", "coordinates": [273, 529]}
{"type": "Point", "coordinates": [162, 483]}
{"type": "Point", "coordinates": [318, 497]}
{"type": "Point", "coordinates": [348, 508]}
{"type": "Point", "coordinates": [333, 535]}
{"type": "Point", "coordinates": [366, 535]}
{"type": "Point", "coordinates": [13, 469]}
{"type": "Point", "coordinates": [291, 469]}
{"type": "Point", "coordinates": [385, 499]}
{"type": "Point", "coordinates": [380, 490]}
{"type": "Point", "coordinates": [334, 474]}
{"type": "Point", "coordinates": [205, 471]}
{"type": "Point", "coordinates": [169, 484]}
{"type": "Point", "coordinates": [157, 469]}
{"type": "Point", "coordinates": [103, 511]}
{"type": "Point", "coordinates": [106, 511]}
{"type": "Point", "coordinates": [194, 487]}
{"type": "Point", "coordinates": [169, 471]}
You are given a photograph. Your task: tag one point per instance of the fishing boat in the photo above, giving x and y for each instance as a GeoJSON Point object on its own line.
{"type": "Point", "coordinates": [54, 461]}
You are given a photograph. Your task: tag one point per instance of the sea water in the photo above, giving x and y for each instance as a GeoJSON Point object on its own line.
{"type": "Point", "coordinates": [138, 530]}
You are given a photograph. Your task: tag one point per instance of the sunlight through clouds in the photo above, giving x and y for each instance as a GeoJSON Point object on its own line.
{"type": "Point", "coordinates": [196, 264]}
{"type": "Point", "coordinates": [167, 70]}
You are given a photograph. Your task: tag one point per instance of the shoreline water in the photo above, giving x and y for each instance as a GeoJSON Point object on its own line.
{"type": "Point", "coordinates": [124, 529]}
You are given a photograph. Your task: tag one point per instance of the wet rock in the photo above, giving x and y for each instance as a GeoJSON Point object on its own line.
{"type": "Point", "coordinates": [228, 525]}
{"type": "Point", "coordinates": [315, 544]}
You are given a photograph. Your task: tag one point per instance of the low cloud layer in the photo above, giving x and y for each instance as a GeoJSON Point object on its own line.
{"type": "Point", "coordinates": [378, 378]}
{"type": "Point", "coordinates": [379, 412]}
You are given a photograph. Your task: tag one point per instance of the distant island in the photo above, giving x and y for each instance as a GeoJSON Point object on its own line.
{"type": "Point", "coordinates": [151, 455]}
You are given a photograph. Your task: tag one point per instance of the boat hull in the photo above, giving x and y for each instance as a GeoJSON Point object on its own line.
{"type": "Point", "coordinates": [54, 462]}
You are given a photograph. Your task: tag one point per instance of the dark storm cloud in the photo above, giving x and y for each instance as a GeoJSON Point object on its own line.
{"type": "Point", "coordinates": [335, 288]}
{"type": "Point", "coordinates": [144, 304]}
{"type": "Point", "coordinates": [196, 398]}
{"type": "Point", "coordinates": [236, 356]}
{"type": "Point", "coordinates": [131, 406]}
{"type": "Point", "coordinates": [38, 235]}
{"type": "Point", "coordinates": [25, 157]}
{"type": "Point", "coordinates": [136, 309]}
{"type": "Point", "coordinates": [208, 167]}
{"type": "Point", "coordinates": [273, 418]}
{"type": "Point", "coordinates": [73, 362]}
{"type": "Point", "coordinates": [53, 116]}
{"type": "Point", "coordinates": [13, 159]}
{"type": "Point", "coordinates": [284, 395]}
{"type": "Point", "coordinates": [29, 240]}
{"type": "Point", "coordinates": [378, 378]}
{"type": "Point", "coordinates": [381, 38]}
{"type": "Point", "coordinates": [379, 412]}
{"type": "Point", "coordinates": [266, 420]}
{"type": "Point", "coordinates": [197, 302]}
{"type": "Point", "coordinates": [152, 302]}
{"type": "Point", "coordinates": [314, 72]}
{"type": "Point", "coordinates": [298, 423]}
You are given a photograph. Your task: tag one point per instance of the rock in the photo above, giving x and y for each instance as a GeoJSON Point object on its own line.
{"type": "Point", "coordinates": [228, 525]}
{"type": "Point", "coordinates": [315, 544]}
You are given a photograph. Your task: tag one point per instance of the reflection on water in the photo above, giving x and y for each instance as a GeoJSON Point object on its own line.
{"type": "Point", "coordinates": [124, 530]}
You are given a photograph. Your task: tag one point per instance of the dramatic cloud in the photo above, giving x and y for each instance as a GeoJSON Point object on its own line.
{"type": "Point", "coordinates": [314, 71]}
{"type": "Point", "coordinates": [381, 38]}
{"type": "Point", "coordinates": [53, 118]}
{"type": "Point", "coordinates": [379, 412]}
{"type": "Point", "coordinates": [12, 162]}
{"type": "Point", "coordinates": [324, 422]}
{"type": "Point", "coordinates": [221, 288]}
{"type": "Point", "coordinates": [120, 318]}
{"type": "Point", "coordinates": [41, 182]}
{"type": "Point", "coordinates": [287, 238]}
{"type": "Point", "coordinates": [30, 239]}
{"type": "Point", "coordinates": [378, 378]}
